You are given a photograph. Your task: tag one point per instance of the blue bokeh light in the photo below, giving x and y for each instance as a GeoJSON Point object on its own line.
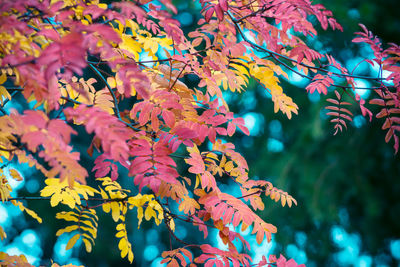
{"type": "Point", "coordinates": [249, 101]}
{"type": "Point", "coordinates": [4, 218]}
{"type": "Point", "coordinates": [30, 238]}
{"type": "Point", "coordinates": [15, 185]}
{"type": "Point", "coordinates": [357, 65]}
{"type": "Point", "coordinates": [291, 250]}
{"type": "Point", "coordinates": [376, 71]}
{"type": "Point", "coordinates": [297, 79]}
{"type": "Point", "coordinates": [60, 254]}
{"type": "Point", "coordinates": [338, 235]}
{"type": "Point", "coordinates": [274, 145]}
{"type": "Point", "coordinates": [364, 261]}
{"type": "Point", "coordinates": [150, 252]}
{"type": "Point", "coordinates": [275, 128]}
{"type": "Point", "coordinates": [157, 262]}
{"type": "Point", "coordinates": [13, 251]}
{"type": "Point", "coordinates": [247, 141]}
{"type": "Point", "coordinates": [254, 122]}
{"type": "Point", "coordinates": [264, 249]}
{"type": "Point", "coordinates": [364, 93]}
{"type": "Point", "coordinates": [152, 236]}
{"type": "Point", "coordinates": [181, 232]}
{"type": "Point", "coordinates": [263, 92]}
{"type": "Point", "coordinates": [344, 214]}
{"type": "Point", "coordinates": [28, 244]}
{"type": "Point", "coordinates": [353, 13]}
{"type": "Point", "coordinates": [350, 249]}
{"type": "Point", "coordinates": [297, 254]}
{"type": "Point", "coordinates": [395, 249]}
{"type": "Point", "coordinates": [301, 239]}
{"type": "Point", "coordinates": [32, 185]}
{"type": "Point", "coordinates": [359, 121]}
{"type": "Point", "coordinates": [185, 18]}
{"type": "Point", "coordinates": [314, 97]}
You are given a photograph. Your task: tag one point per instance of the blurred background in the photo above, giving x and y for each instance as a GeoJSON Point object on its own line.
{"type": "Point", "coordinates": [347, 186]}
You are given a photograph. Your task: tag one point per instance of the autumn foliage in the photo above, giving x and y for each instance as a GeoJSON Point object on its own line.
{"type": "Point", "coordinates": [114, 73]}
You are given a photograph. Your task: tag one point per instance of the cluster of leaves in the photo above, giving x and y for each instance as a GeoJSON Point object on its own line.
{"type": "Point", "coordinates": [5, 193]}
{"type": "Point", "coordinates": [114, 73]}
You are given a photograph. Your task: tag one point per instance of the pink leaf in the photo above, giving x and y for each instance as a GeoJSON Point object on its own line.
{"type": "Point", "coordinates": [209, 14]}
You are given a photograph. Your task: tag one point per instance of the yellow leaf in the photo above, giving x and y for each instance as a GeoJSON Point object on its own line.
{"type": "Point", "coordinates": [62, 192]}
{"type": "Point", "coordinates": [240, 69]}
{"type": "Point", "coordinates": [115, 211]}
{"type": "Point", "coordinates": [67, 229]}
{"type": "Point", "coordinates": [130, 45]}
{"type": "Point", "coordinates": [28, 211]}
{"type": "Point", "coordinates": [47, 191]}
{"type": "Point", "coordinates": [33, 215]}
{"type": "Point", "coordinates": [3, 78]}
{"type": "Point", "coordinates": [212, 155]}
{"type": "Point", "coordinates": [120, 234]}
{"type": "Point", "coordinates": [149, 213]}
{"type": "Point", "coordinates": [289, 202]}
{"type": "Point", "coordinates": [228, 166]}
{"type": "Point", "coordinates": [3, 234]}
{"type": "Point", "coordinates": [235, 172]}
{"type": "Point", "coordinates": [124, 250]}
{"type": "Point", "coordinates": [102, 6]}
{"type": "Point", "coordinates": [92, 231]}
{"type": "Point", "coordinates": [55, 199]}
{"type": "Point", "coordinates": [135, 201]}
{"type": "Point", "coordinates": [88, 237]}
{"type": "Point", "coordinates": [172, 224]}
{"type": "Point", "coordinates": [223, 161]}
{"type": "Point", "coordinates": [244, 227]}
{"type": "Point", "coordinates": [5, 154]}
{"type": "Point", "coordinates": [87, 222]}
{"type": "Point", "coordinates": [193, 149]}
{"type": "Point", "coordinates": [88, 245]}
{"type": "Point", "coordinates": [72, 241]}
{"type": "Point", "coordinates": [16, 175]}
{"type": "Point", "coordinates": [4, 93]}
{"type": "Point", "coordinates": [106, 206]}
{"type": "Point", "coordinates": [120, 227]}
{"type": "Point", "coordinates": [130, 256]}
{"type": "Point", "coordinates": [197, 180]}
{"type": "Point", "coordinates": [68, 200]}
{"type": "Point", "coordinates": [68, 216]}
{"type": "Point", "coordinates": [111, 81]}
{"type": "Point", "coordinates": [140, 216]}
{"type": "Point", "coordinates": [283, 200]}
{"type": "Point", "coordinates": [122, 244]}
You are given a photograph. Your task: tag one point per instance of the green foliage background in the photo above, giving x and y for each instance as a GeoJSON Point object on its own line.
{"type": "Point", "coordinates": [350, 179]}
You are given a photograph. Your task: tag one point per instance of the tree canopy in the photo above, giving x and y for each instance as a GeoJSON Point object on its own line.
{"type": "Point", "coordinates": [121, 113]}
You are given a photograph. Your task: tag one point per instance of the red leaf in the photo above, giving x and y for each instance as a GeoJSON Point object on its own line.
{"type": "Point", "coordinates": [219, 12]}
{"type": "Point", "coordinates": [244, 129]}
{"type": "Point", "coordinates": [224, 5]}
{"type": "Point", "coordinates": [169, 118]}
{"type": "Point", "coordinates": [231, 128]}
{"type": "Point", "coordinates": [209, 14]}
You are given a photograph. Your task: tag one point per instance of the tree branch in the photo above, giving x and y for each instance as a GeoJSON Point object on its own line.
{"type": "Point", "coordinates": [115, 100]}
{"type": "Point", "coordinates": [254, 45]}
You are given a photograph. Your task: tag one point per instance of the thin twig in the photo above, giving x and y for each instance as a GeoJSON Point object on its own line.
{"type": "Point", "coordinates": [116, 108]}
{"type": "Point", "coordinates": [89, 199]}
{"type": "Point", "coordinates": [18, 64]}
{"type": "Point", "coordinates": [177, 77]}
